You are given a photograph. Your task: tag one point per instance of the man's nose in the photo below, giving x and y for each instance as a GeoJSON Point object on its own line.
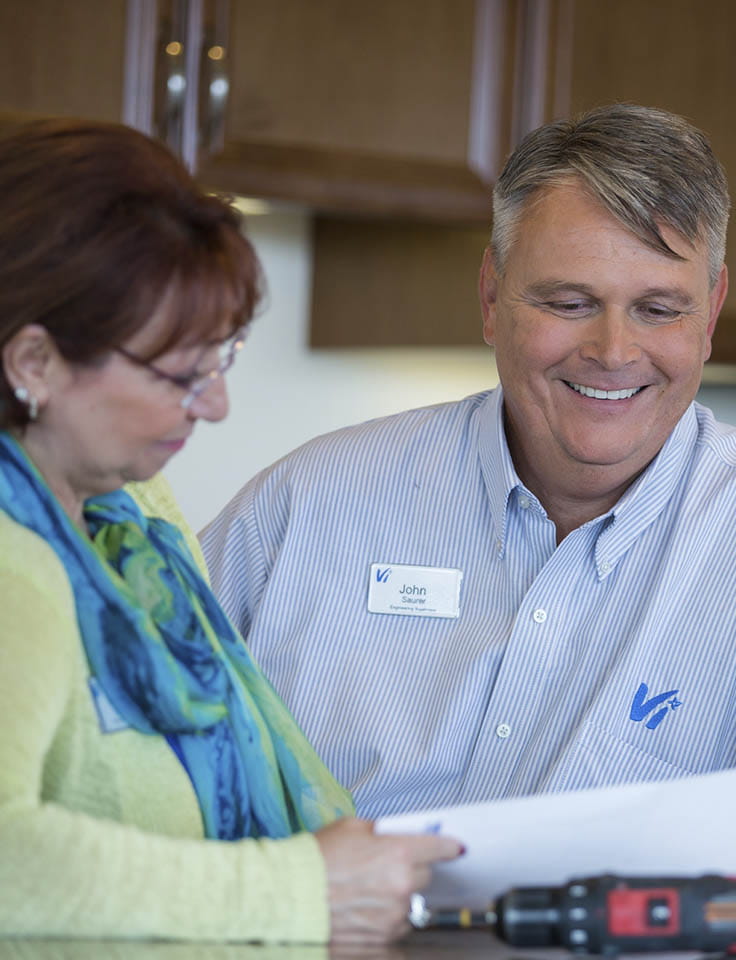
{"type": "Point", "coordinates": [212, 404]}
{"type": "Point", "coordinates": [611, 340]}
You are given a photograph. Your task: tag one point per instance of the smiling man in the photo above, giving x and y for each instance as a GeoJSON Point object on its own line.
{"type": "Point", "coordinates": [600, 343]}
{"type": "Point", "coordinates": [531, 589]}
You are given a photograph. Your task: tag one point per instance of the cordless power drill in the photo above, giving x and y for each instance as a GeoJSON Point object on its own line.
{"type": "Point", "coordinates": [606, 914]}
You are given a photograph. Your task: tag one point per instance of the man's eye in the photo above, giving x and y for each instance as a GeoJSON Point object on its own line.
{"type": "Point", "coordinates": [568, 307]}
{"type": "Point", "coordinates": [657, 313]}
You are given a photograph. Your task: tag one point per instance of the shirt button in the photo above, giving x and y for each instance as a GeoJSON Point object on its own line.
{"type": "Point", "coordinates": [540, 615]}
{"type": "Point", "coordinates": [503, 730]}
{"type": "Point", "coordinates": [605, 567]}
{"type": "Point", "coordinates": [524, 503]}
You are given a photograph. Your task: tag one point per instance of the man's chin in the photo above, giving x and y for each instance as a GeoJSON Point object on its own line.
{"type": "Point", "coordinates": [610, 452]}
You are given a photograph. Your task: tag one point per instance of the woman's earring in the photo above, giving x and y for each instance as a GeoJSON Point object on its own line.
{"type": "Point", "coordinates": [24, 396]}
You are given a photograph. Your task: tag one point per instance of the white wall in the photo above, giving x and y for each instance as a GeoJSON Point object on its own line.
{"type": "Point", "coordinates": [721, 399]}
{"type": "Point", "coordinates": [282, 393]}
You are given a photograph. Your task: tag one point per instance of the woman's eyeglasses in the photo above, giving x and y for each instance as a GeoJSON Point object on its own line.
{"type": "Point", "coordinates": [195, 383]}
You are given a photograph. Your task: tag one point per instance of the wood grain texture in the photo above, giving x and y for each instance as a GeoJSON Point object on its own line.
{"type": "Point", "coordinates": [397, 108]}
{"type": "Point", "coordinates": [63, 59]}
{"type": "Point", "coordinates": [385, 77]}
{"type": "Point", "coordinates": [674, 54]}
{"type": "Point", "coordinates": [395, 284]}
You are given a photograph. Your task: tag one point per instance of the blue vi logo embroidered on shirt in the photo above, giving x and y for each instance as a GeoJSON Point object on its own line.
{"type": "Point", "coordinates": [383, 575]}
{"type": "Point", "coordinates": [641, 707]}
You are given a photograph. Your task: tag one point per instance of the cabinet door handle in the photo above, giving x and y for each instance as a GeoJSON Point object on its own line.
{"type": "Point", "coordinates": [192, 54]}
{"type": "Point", "coordinates": [180, 45]}
{"type": "Point", "coordinates": [141, 22]}
{"type": "Point", "coordinates": [215, 77]}
{"type": "Point", "coordinates": [172, 79]}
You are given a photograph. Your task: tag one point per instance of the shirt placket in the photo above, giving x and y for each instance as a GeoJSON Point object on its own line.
{"type": "Point", "coordinates": [523, 682]}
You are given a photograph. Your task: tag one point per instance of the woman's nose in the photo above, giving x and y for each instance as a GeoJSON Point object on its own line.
{"type": "Point", "coordinates": [213, 403]}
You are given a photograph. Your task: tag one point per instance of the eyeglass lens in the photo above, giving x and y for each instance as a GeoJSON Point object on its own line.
{"type": "Point", "coordinates": [227, 352]}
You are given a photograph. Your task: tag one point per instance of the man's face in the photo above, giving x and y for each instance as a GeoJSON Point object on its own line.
{"type": "Point", "coordinates": [600, 342]}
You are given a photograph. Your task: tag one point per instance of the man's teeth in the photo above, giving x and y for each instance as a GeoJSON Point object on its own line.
{"type": "Point", "coordinates": [604, 394]}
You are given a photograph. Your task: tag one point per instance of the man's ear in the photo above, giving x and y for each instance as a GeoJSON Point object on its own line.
{"type": "Point", "coordinates": [27, 360]}
{"type": "Point", "coordinates": [488, 291]}
{"type": "Point", "coordinates": [717, 296]}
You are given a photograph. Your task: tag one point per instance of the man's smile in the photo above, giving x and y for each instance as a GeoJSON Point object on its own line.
{"type": "Point", "coordinates": [599, 394]}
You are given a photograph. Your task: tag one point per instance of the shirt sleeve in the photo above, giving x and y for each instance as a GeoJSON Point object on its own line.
{"type": "Point", "coordinates": [240, 546]}
{"type": "Point", "coordinates": [64, 873]}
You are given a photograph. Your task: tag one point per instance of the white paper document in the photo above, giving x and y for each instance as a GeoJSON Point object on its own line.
{"type": "Point", "coordinates": [669, 828]}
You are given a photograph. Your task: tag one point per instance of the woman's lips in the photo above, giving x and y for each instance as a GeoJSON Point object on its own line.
{"type": "Point", "coordinates": [173, 445]}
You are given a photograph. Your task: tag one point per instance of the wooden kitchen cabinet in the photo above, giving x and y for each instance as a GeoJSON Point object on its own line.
{"type": "Point", "coordinates": [394, 108]}
{"type": "Point", "coordinates": [674, 54]}
{"type": "Point", "coordinates": [398, 111]}
{"type": "Point", "coordinates": [395, 283]}
{"type": "Point", "coordinates": [105, 60]}
{"type": "Point", "coordinates": [389, 120]}
{"type": "Point", "coordinates": [63, 58]}
{"type": "Point", "coordinates": [425, 100]}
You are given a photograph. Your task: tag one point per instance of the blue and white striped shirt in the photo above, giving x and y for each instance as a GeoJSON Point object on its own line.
{"type": "Point", "coordinates": [606, 659]}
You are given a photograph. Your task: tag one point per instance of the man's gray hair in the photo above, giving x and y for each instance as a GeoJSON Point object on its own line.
{"type": "Point", "coordinates": [648, 168]}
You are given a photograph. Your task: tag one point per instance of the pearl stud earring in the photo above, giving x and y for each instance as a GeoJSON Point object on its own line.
{"type": "Point", "coordinates": [24, 396]}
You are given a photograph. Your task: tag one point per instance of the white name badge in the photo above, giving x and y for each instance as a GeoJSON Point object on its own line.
{"type": "Point", "coordinates": [414, 591]}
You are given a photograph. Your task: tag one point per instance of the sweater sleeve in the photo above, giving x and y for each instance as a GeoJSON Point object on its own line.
{"type": "Point", "coordinates": [66, 873]}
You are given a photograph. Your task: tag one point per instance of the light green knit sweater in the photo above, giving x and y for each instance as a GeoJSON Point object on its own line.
{"type": "Point", "coordinates": [100, 834]}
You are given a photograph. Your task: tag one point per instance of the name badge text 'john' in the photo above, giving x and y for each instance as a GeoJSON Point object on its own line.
{"type": "Point", "coordinates": [411, 593]}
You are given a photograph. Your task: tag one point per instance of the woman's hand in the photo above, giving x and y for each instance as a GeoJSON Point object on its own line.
{"type": "Point", "coordinates": [371, 878]}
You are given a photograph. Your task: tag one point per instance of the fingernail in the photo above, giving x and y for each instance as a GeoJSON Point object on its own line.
{"type": "Point", "coordinates": [463, 850]}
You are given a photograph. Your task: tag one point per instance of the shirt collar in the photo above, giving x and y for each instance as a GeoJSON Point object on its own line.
{"type": "Point", "coordinates": [497, 467]}
{"type": "Point", "coordinates": [645, 499]}
{"type": "Point", "coordinates": [629, 517]}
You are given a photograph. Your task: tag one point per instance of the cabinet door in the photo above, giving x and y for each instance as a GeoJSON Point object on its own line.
{"type": "Point", "coordinates": [393, 107]}
{"type": "Point", "coordinates": [674, 54]}
{"type": "Point", "coordinates": [62, 58]}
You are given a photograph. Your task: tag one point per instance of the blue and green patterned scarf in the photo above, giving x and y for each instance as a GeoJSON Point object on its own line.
{"type": "Point", "coordinates": [171, 663]}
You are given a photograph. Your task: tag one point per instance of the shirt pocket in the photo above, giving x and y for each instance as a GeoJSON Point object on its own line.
{"type": "Point", "coordinates": [598, 758]}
